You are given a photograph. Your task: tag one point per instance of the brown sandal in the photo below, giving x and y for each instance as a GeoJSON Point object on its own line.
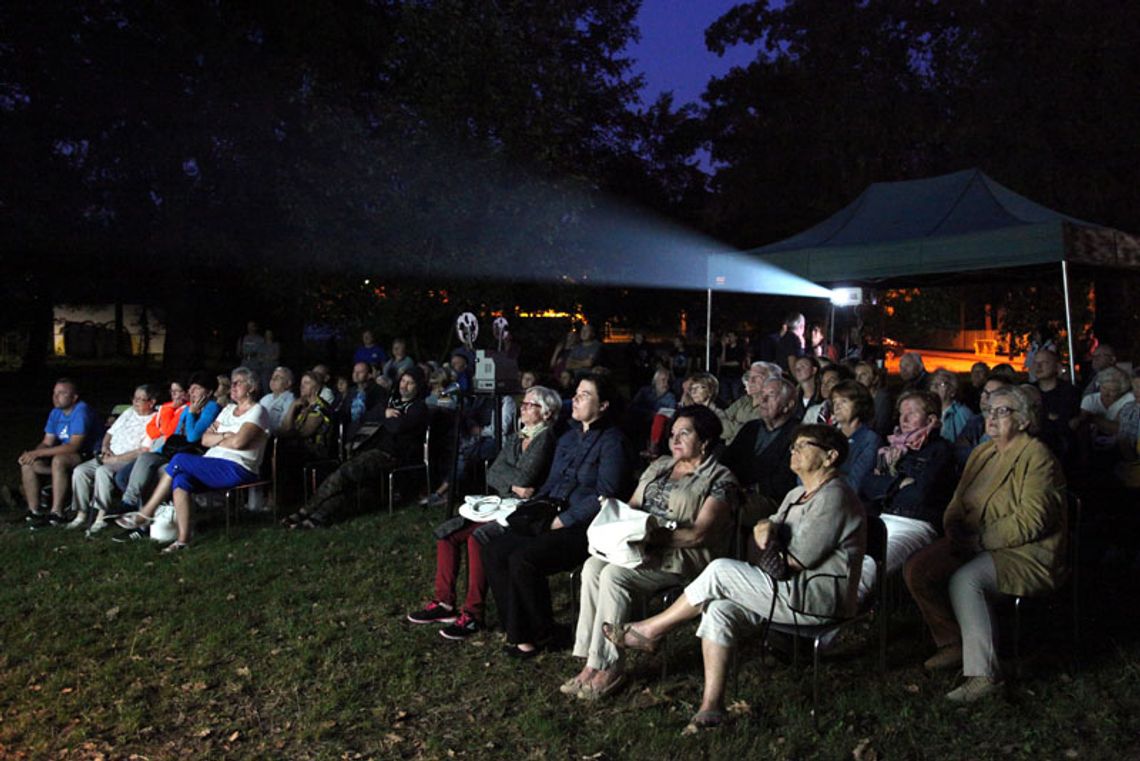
{"type": "Point", "coordinates": [615, 633]}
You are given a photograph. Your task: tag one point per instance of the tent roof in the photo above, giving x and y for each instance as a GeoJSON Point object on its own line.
{"type": "Point", "coordinates": [959, 222]}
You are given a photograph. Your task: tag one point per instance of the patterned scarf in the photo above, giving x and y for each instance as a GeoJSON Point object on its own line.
{"type": "Point", "coordinates": [899, 443]}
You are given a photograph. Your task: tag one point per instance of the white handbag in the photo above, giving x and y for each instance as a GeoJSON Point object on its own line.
{"type": "Point", "coordinates": [164, 527]}
{"type": "Point", "coordinates": [617, 533]}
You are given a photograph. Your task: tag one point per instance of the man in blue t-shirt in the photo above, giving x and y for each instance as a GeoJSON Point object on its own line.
{"type": "Point", "coordinates": [370, 352]}
{"type": "Point", "coordinates": [69, 437]}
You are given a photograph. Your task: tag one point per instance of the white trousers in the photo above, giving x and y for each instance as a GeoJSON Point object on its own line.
{"type": "Point", "coordinates": [905, 536]}
{"type": "Point", "coordinates": [972, 588]}
{"type": "Point", "coordinates": [737, 598]}
{"type": "Point", "coordinates": [608, 595]}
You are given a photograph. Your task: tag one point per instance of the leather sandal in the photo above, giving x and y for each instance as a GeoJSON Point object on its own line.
{"type": "Point", "coordinates": [615, 633]}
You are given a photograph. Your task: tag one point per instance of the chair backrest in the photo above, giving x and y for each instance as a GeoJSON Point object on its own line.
{"type": "Point", "coordinates": [877, 540]}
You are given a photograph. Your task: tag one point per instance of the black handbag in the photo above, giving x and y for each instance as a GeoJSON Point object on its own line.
{"type": "Point", "coordinates": [533, 517]}
{"type": "Point", "coordinates": [176, 443]}
{"type": "Point", "coordinates": [773, 560]}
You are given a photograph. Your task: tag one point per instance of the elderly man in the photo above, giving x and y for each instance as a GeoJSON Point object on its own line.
{"type": "Point", "coordinates": [1103, 357]}
{"type": "Point", "coordinates": [747, 408]}
{"type": "Point", "coordinates": [913, 372]}
{"type": "Point", "coordinates": [68, 437]}
{"type": "Point", "coordinates": [758, 456]}
{"type": "Point", "coordinates": [93, 482]}
{"type": "Point", "coordinates": [280, 397]}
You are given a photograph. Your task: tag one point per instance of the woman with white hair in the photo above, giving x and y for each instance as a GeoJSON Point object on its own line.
{"type": "Point", "coordinates": [519, 469]}
{"type": "Point", "coordinates": [236, 442]}
{"type": "Point", "coordinates": [1005, 532]}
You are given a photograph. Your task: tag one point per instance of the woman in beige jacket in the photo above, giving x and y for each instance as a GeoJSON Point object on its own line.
{"type": "Point", "coordinates": [1005, 533]}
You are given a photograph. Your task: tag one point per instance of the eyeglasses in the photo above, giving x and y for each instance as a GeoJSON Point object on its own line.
{"type": "Point", "coordinates": [530, 404]}
{"type": "Point", "coordinates": [799, 445]}
{"type": "Point", "coordinates": [997, 413]}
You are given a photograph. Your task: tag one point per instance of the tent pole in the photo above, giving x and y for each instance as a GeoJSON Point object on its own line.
{"type": "Point", "coordinates": [1069, 322]}
{"type": "Point", "coordinates": [831, 326]}
{"type": "Point", "coordinates": [708, 333]}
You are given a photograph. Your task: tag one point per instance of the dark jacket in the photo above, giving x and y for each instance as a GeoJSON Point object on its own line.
{"type": "Point", "coordinates": [768, 470]}
{"type": "Point", "coordinates": [932, 469]}
{"type": "Point", "coordinates": [514, 467]}
{"type": "Point", "coordinates": [587, 465]}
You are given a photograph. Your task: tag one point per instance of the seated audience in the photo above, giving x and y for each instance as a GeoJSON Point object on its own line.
{"type": "Point", "coordinates": [195, 418]}
{"type": "Point", "coordinates": [1005, 532]}
{"type": "Point", "coordinates": [1102, 358]}
{"type": "Point", "coordinates": [691, 496]}
{"type": "Point", "coordinates": [387, 437]}
{"type": "Point", "coordinates": [1059, 402]}
{"type": "Point", "coordinates": [971, 393]}
{"type": "Point", "coordinates": [280, 397]}
{"type": "Point", "coordinates": [236, 443]}
{"type": "Point", "coordinates": [747, 408]}
{"type": "Point", "coordinates": [361, 396]}
{"type": "Point", "coordinates": [590, 461]}
{"type": "Point", "coordinates": [702, 390]}
{"type": "Point", "coordinates": [875, 380]}
{"type": "Point", "coordinates": [1099, 411]}
{"type": "Point", "coordinates": [955, 415]}
{"type": "Point", "coordinates": [829, 376]}
{"type": "Point", "coordinates": [911, 483]}
{"type": "Point", "coordinates": [587, 354]}
{"type": "Point", "coordinates": [369, 352]}
{"type": "Point", "coordinates": [656, 398]}
{"type": "Point", "coordinates": [730, 366]}
{"type": "Point", "coordinates": [822, 525]}
{"type": "Point", "coordinates": [974, 432]}
{"type": "Point", "coordinates": [806, 372]}
{"type": "Point", "coordinates": [222, 390]}
{"type": "Point", "coordinates": [758, 456]}
{"type": "Point", "coordinates": [332, 390]}
{"type": "Point", "coordinates": [69, 438]}
{"type": "Point", "coordinates": [307, 433]}
{"type": "Point", "coordinates": [913, 372]}
{"type": "Point", "coordinates": [1128, 438]}
{"type": "Point", "coordinates": [853, 410]}
{"type": "Point", "coordinates": [93, 481]}
{"type": "Point", "coordinates": [520, 468]}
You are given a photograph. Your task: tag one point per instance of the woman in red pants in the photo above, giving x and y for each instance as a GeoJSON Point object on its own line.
{"type": "Point", "coordinates": [520, 467]}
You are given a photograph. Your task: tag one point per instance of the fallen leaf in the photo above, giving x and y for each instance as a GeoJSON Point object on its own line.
{"type": "Point", "coordinates": [912, 688]}
{"type": "Point", "coordinates": [243, 671]}
{"type": "Point", "coordinates": [1071, 753]}
{"type": "Point", "coordinates": [66, 690]}
{"type": "Point", "coordinates": [740, 708]}
{"type": "Point", "coordinates": [233, 737]}
{"type": "Point", "coordinates": [231, 596]}
{"type": "Point", "coordinates": [110, 614]}
{"type": "Point", "coordinates": [864, 751]}
{"type": "Point", "coordinates": [205, 732]}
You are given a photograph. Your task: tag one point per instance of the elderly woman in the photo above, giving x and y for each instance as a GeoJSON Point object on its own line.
{"type": "Point", "coordinates": [590, 461]}
{"type": "Point", "coordinates": [1100, 409]}
{"type": "Point", "coordinates": [703, 390]}
{"type": "Point", "coordinates": [1005, 531]}
{"type": "Point", "coordinates": [521, 466]}
{"type": "Point", "coordinates": [195, 418]}
{"type": "Point", "coordinates": [822, 525]}
{"type": "Point", "coordinates": [912, 481]}
{"type": "Point", "coordinates": [236, 442]}
{"type": "Point", "coordinates": [852, 412]}
{"type": "Point", "coordinates": [955, 415]}
{"type": "Point", "coordinates": [687, 489]}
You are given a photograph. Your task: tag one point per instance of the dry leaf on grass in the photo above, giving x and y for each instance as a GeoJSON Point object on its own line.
{"type": "Point", "coordinates": [110, 614]}
{"type": "Point", "coordinates": [864, 751]}
{"type": "Point", "coordinates": [233, 737]}
{"type": "Point", "coordinates": [912, 688]}
{"type": "Point", "coordinates": [740, 708]}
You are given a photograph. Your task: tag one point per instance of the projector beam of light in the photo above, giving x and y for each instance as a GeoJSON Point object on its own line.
{"type": "Point", "coordinates": [749, 274]}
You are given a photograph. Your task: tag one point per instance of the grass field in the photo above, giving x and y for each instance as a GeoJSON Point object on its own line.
{"type": "Point", "coordinates": [276, 644]}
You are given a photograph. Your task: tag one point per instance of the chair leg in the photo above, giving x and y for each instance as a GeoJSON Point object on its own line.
{"type": "Point", "coordinates": [815, 683]}
{"type": "Point", "coordinates": [1017, 637]}
{"type": "Point", "coordinates": [391, 491]}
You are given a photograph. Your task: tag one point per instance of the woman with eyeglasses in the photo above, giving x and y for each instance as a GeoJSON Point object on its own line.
{"type": "Point", "coordinates": [822, 524]}
{"type": "Point", "coordinates": [691, 495]}
{"type": "Point", "coordinates": [955, 415]}
{"type": "Point", "coordinates": [1005, 530]}
{"type": "Point", "coordinates": [590, 461]}
{"type": "Point", "coordinates": [519, 469]}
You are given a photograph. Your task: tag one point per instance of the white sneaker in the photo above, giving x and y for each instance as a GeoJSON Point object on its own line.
{"type": "Point", "coordinates": [975, 688]}
{"type": "Point", "coordinates": [79, 521]}
{"type": "Point", "coordinates": [97, 526]}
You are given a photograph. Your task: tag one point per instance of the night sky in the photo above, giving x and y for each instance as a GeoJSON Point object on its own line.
{"type": "Point", "coordinates": [672, 53]}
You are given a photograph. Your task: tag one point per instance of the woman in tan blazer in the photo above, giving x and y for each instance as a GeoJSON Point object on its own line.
{"type": "Point", "coordinates": [1005, 533]}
